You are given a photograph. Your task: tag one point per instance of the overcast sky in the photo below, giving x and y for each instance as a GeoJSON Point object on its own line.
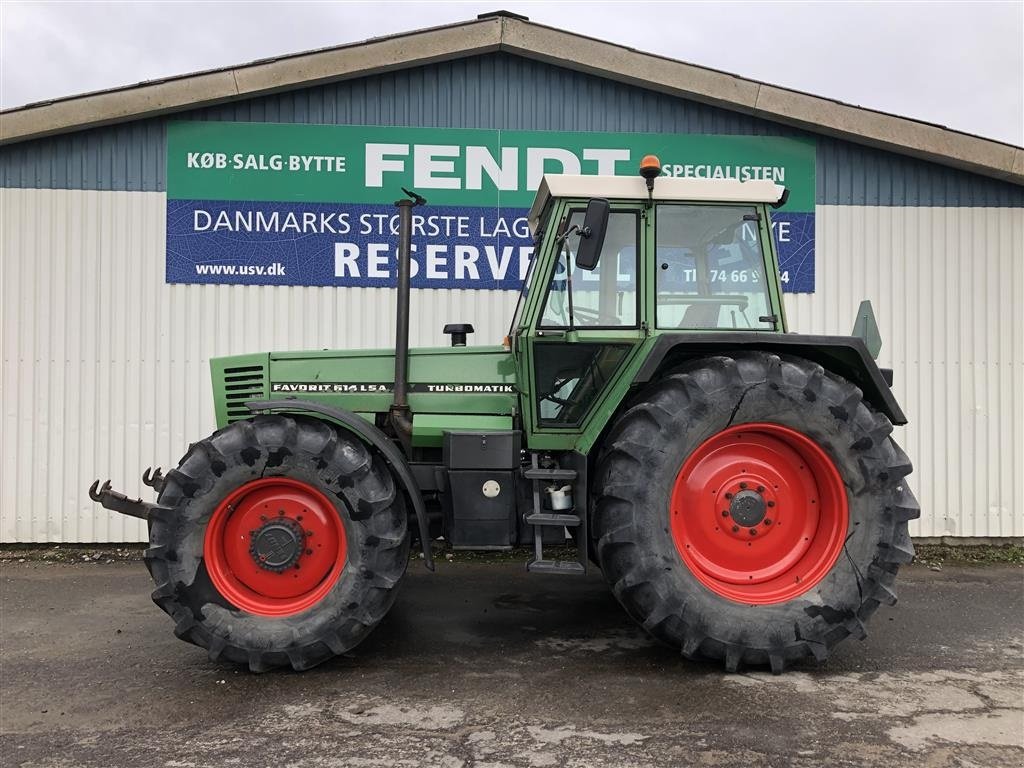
{"type": "Point", "coordinates": [960, 64]}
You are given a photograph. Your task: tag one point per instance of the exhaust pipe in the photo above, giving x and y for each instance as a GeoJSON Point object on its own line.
{"type": "Point", "coordinates": [399, 415]}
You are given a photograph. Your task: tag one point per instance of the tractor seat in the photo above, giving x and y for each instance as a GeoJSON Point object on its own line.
{"type": "Point", "coordinates": [703, 315]}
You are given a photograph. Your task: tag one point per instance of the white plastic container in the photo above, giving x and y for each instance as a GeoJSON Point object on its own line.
{"type": "Point", "coordinates": [561, 498]}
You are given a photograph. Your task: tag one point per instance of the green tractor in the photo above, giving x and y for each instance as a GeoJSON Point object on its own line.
{"type": "Point", "coordinates": [736, 484]}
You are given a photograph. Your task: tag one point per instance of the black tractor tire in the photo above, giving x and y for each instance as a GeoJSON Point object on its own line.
{"type": "Point", "coordinates": [362, 491]}
{"type": "Point", "coordinates": [643, 454]}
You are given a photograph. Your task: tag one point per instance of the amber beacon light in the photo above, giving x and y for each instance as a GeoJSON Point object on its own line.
{"type": "Point", "coordinates": [650, 169]}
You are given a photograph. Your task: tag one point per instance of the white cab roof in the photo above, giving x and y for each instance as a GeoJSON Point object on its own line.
{"type": "Point", "coordinates": [665, 188]}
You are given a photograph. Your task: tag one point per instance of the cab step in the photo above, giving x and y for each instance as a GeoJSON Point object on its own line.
{"type": "Point", "coordinates": [560, 567]}
{"type": "Point", "coordinates": [550, 518]}
{"type": "Point", "coordinates": [544, 519]}
{"type": "Point", "coordinates": [541, 473]}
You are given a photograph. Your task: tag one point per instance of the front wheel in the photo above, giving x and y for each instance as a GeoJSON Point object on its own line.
{"type": "Point", "coordinates": [282, 545]}
{"type": "Point", "coordinates": [752, 509]}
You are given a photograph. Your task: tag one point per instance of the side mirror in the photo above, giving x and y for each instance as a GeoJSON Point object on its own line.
{"type": "Point", "coordinates": [595, 223]}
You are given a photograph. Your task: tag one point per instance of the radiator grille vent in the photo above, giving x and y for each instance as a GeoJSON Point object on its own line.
{"type": "Point", "coordinates": [241, 385]}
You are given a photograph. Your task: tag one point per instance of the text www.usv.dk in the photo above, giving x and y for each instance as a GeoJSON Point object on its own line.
{"type": "Point", "coordinates": [277, 268]}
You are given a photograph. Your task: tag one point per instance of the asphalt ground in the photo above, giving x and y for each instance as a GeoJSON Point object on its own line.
{"type": "Point", "coordinates": [484, 665]}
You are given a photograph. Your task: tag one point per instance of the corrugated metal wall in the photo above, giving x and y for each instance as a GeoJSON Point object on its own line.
{"type": "Point", "coordinates": [105, 366]}
{"type": "Point", "coordinates": [946, 284]}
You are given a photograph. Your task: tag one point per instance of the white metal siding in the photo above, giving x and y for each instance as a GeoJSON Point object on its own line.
{"type": "Point", "coordinates": [947, 286]}
{"type": "Point", "coordinates": [105, 366]}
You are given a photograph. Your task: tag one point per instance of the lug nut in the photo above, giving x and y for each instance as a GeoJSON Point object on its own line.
{"type": "Point", "coordinates": [760, 489]}
{"type": "Point", "coordinates": [728, 495]}
{"type": "Point", "coordinates": [753, 531]}
{"type": "Point", "coordinates": [767, 521]}
{"type": "Point", "coordinates": [771, 503]}
{"type": "Point", "coordinates": [735, 528]}
{"type": "Point", "coordinates": [725, 513]}
{"type": "Point", "coordinates": [743, 485]}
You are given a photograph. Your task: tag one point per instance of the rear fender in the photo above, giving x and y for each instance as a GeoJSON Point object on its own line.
{"type": "Point", "coordinates": [373, 437]}
{"type": "Point", "coordinates": [846, 356]}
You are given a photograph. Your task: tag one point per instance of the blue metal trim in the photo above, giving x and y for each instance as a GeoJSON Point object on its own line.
{"type": "Point", "coordinates": [492, 91]}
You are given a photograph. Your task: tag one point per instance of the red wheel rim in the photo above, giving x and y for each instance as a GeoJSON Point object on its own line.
{"type": "Point", "coordinates": [275, 546]}
{"type": "Point", "coordinates": [759, 513]}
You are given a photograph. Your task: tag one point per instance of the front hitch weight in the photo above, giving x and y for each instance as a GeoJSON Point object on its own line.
{"type": "Point", "coordinates": [118, 502]}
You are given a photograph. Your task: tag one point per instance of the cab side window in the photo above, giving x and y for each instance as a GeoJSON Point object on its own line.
{"type": "Point", "coordinates": [710, 268]}
{"type": "Point", "coordinates": [605, 297]}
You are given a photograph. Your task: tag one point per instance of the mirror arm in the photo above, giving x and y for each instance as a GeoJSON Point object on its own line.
{"type": "Point", "coordinates": [568, 287]}
{"type": "Point", "coordinates": [571, 230]}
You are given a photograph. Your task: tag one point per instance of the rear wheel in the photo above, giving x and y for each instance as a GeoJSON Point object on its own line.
{"type": "Point", "coordinates": [283, 546]}
{"type": "Point", "coordinates": [752, 509]}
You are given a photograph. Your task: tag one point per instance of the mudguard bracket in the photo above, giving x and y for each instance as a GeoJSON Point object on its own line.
{"type": "Point", "coordinates": [373, 436]}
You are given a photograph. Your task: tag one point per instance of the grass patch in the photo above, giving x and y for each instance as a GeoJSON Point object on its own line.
{"type": "Point", "coordinates": [927, 554]}
{"type": "Point", "coordinates": [70, 553]}
{"type": "Point", "coordinates": [937, 554]}
{"type": "Point", "coordinates": [443, 552]}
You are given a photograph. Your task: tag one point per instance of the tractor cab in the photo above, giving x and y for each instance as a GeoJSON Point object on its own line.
{"type": "Point", "coordinates": [620, 262]}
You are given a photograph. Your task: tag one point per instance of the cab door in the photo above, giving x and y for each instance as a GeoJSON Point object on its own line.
{"type": "Point", "coordinates": [586, 326]}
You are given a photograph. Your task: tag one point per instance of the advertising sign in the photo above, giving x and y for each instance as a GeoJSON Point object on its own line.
{"type": "Point", "coordinates": [289, 204]}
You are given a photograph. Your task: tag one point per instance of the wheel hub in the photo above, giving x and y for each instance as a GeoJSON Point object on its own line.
{"type": "Point", "coordinates": [278, 544]}
{"type": "Point", "coordinates": [748, 508]}
{"type": "Point", "coordinates": [275, 546]}
{"type": "Point", "coordinates": [759, 513]}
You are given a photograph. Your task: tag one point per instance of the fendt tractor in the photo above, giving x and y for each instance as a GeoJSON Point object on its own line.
{"type": "Point", "coordinates": [649, 412]}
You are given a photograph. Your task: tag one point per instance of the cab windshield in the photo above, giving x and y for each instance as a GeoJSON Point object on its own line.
{"type": "Point", "coordinates": [710, 268]}
{"type": "Point", "coordinates": [524, 293]}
